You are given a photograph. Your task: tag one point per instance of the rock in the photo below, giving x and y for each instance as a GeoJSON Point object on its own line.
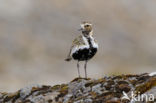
{"type": "Point", "coordinates": [110, 89]}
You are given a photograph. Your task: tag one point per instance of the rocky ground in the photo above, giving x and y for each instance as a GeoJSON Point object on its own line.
{"type": "Point", "coordinates": [109, 89]}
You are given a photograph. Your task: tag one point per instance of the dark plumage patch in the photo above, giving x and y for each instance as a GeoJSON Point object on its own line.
{"type": "Point", "coordinates": [84, 54]}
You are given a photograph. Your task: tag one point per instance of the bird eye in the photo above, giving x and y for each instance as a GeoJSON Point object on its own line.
{"type": "Point", "coordinates": [87, 25]}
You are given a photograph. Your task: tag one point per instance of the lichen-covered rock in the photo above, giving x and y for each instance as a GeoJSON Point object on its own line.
{"type": "Point", "coordinates": [110, 89]}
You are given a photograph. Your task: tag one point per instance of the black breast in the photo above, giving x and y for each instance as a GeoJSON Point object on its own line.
{"type": "Point", "coordinates": [86, 53]}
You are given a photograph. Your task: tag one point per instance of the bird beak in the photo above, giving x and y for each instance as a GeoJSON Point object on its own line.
{"type": "Point", "coordinates": [80, 29]}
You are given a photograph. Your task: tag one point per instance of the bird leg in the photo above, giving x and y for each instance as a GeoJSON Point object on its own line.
{"type": "Point", "coordinates": [78, 69]}
{"type": "Point", "coordinates": [85, 68]}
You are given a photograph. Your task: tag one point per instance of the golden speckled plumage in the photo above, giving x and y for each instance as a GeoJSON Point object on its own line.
{"type": "Point", "coordinates": [78, 41]}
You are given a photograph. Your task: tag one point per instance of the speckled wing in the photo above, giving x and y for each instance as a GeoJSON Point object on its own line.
{"type": "Point", "coordinates": [76, 43]}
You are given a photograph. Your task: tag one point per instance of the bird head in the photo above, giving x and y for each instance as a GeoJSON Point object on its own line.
{"type": "Point", "coordinates": [86, 28]}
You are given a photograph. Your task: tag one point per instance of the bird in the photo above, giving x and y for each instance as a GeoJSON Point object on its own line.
{"type": "Point", "coordinates": [84, 47]}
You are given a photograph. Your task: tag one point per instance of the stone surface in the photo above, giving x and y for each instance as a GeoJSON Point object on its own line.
{"type": "Point", "coordinates": [104, 90]}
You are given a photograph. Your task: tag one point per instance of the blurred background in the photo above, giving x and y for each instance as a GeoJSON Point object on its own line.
{"type": "Point", "coordinates": [35, 37]}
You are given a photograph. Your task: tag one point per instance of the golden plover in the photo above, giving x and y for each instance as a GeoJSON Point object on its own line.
{"type": "Point", "coordinates": [84, 47]}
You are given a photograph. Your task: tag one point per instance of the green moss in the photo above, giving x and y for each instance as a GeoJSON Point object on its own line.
{"type": "Point", "coordinates": [64, 89]}
{"type": "Point", "coordinates": [146, 86]}
{"type": "Point", "coordinates": [93, 94]}
{"type": "Point", "coordinates": [80, 79]}
{"type": "Point", "coordinates": [11, 96]}
{"type": "Point", "coordinates": [56, 87]}
{"type": "Point", "coordinates": [94, 82]}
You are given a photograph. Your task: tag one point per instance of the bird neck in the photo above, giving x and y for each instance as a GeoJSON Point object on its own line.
{"type": "Point", "coordinates": [87, 34]}
{"type": "Point", "coordinates": [89, 39]}
{"type": "Point", "coordinates": [89, 42]}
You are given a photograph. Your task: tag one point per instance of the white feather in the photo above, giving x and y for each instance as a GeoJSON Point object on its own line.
{"type": "Point", "coordinates": [95, 45]}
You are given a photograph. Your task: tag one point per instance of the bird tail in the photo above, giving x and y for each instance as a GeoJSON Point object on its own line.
{"type": "Point", "coordinates": [68, 59]}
